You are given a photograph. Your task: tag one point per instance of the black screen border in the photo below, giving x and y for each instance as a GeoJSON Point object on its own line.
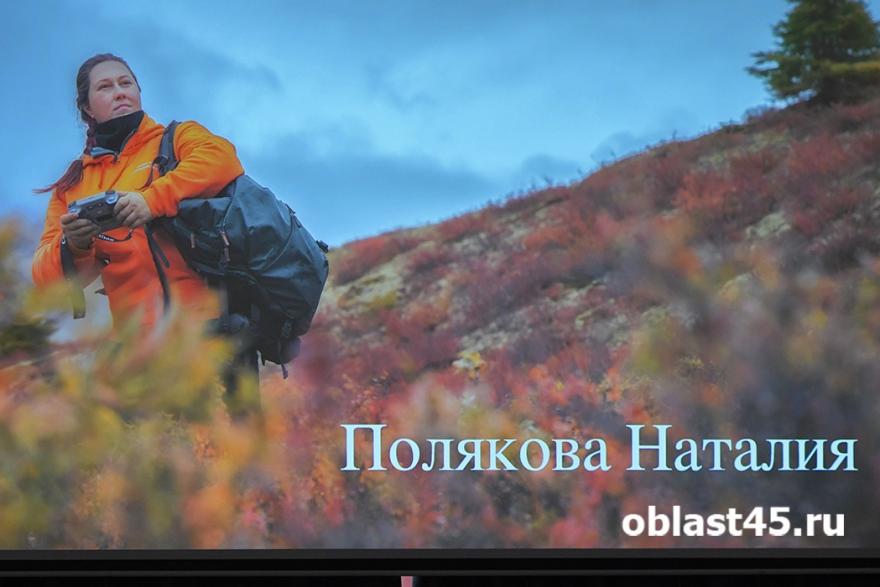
{"type": "Point", "coordinates": [340, 562]}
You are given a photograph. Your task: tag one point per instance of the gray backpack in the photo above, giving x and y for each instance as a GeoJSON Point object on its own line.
{"type": "Point", "coordinates": [248, 242]}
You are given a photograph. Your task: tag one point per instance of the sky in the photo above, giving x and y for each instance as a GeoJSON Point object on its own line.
{"type": "Point", "coordinates": [370, 115]}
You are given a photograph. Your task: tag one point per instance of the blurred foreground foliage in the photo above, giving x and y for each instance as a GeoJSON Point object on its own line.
{"type": "Point", "coordinates": [20, 331]}
{"type": "Point", "coordinates": [120, 441]}
{"type": "Point", "coordinates": [761, 340]}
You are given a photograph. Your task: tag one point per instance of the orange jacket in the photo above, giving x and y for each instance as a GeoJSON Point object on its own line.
{"type": "Point", "coordinates": [207, 163]}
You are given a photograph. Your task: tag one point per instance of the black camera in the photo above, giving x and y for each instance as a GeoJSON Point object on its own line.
{"type": "Point", "coordinates": [98, 209]}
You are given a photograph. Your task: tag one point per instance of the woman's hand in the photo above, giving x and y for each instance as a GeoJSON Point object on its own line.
{"type": "Point", "coordinates": [132, 210]}
{"type": "Point", "coordinates": [79, 232]}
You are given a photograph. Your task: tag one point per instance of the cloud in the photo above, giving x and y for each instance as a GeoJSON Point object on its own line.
{"type": "Point", "coordinates": [540, 170]}
{"type": "Point", "coordinates": [349, 192]}
{"type": "Point", "coordinates": [387, 83]}
{"type": "Point", "coordinates": [675, 124]}
{"type": "Point", "coordinates": [623, 143]}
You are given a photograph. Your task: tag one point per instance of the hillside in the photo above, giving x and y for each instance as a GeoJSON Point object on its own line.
{"type": "Point", "coordinates": [588, 263]}
{"type": "Point", "coordinates": [719, 284]}
{"type": "Point", "coordinates": [801, 183]}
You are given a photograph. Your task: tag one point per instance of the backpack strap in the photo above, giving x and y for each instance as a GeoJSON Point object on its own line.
{"type": "Point", "coordinates": [164, 162]}
{"type": "Point", "coordinates": [159, 260]}
{"type": "Point", "coordinates": [77, 297]}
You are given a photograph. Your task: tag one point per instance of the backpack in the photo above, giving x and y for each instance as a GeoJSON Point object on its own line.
{"type": "Point", "coordinates": [247, 241]}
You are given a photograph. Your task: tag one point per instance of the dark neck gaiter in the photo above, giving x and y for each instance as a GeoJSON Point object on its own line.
{"type": "Point", "coordinates": [113, 133]}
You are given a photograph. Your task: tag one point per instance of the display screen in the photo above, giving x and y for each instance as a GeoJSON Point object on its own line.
{"type": "Point", "coordinates": [597, 275]}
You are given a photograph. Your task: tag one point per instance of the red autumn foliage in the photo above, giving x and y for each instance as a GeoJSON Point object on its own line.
{"type": "Point", "coordinates": [725, 201]}
{"type": "Point", "coordinates": [547, 237]}
{"type": "Point", "coordinates": [850, 117]}
{"type": "Point", "coordinates": [427, 259]}
{"type": "Point", "coordinates": [363, 255]}
{"type": "Point", "coordinates": [460, 226]}
{"type": "Point", "coordinates": [821, 205]}
{"type": "Point", "coordinates": [665, 170]}
{"type": "Point", "coordinates": [498, 290]}
{"type": "Point", "coordinates": [867, 146]}
{"type": "Point", "coordinates": [816, 159]}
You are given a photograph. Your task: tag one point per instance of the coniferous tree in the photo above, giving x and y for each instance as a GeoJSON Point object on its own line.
{"type": "Point", "coordinates": [828, 50]}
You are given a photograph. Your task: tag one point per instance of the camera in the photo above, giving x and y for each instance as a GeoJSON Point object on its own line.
{"type": "Point", "coordinates": [98, 208]}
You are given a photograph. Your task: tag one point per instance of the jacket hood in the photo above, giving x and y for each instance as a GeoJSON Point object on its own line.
{"type": "Point", "coordinates": [148, 130]}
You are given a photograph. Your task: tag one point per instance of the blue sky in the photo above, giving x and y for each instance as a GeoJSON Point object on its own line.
{"type": "Point", "coordinates": [370, 115]}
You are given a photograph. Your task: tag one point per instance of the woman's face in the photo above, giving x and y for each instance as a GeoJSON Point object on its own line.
{"type": "Point", "coordinates": [112, 92]}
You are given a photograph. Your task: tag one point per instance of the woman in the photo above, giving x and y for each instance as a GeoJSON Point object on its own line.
{"type": "Point", "coordinates": [121, 145]}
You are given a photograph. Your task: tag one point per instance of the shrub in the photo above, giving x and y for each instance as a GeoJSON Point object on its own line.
{"type": "Point", "coordinates": [492, 291]}
{"type": "Point", "coordinates": [546, 237]}
{"type": "Point", "coordinates": [665, 170]}
{"type": "Point", "coordinates": [819, 207]}
{"type": "Point", "coordinates": [867, 146]}
{"type": "Point", "coordinates": [851, 117]}
{"type": "Point", "coordinates": [816, 159]}
{"type": "Point", "coordinates": [362, 256]}
{"type": "Point", "coordinates": [426, 259]}
{"type": "Point", "coordinates": [466, 224]}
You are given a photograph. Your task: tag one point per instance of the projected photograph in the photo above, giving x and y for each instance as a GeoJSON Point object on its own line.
{"type": "Point", "coordinates": [440, 275]}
